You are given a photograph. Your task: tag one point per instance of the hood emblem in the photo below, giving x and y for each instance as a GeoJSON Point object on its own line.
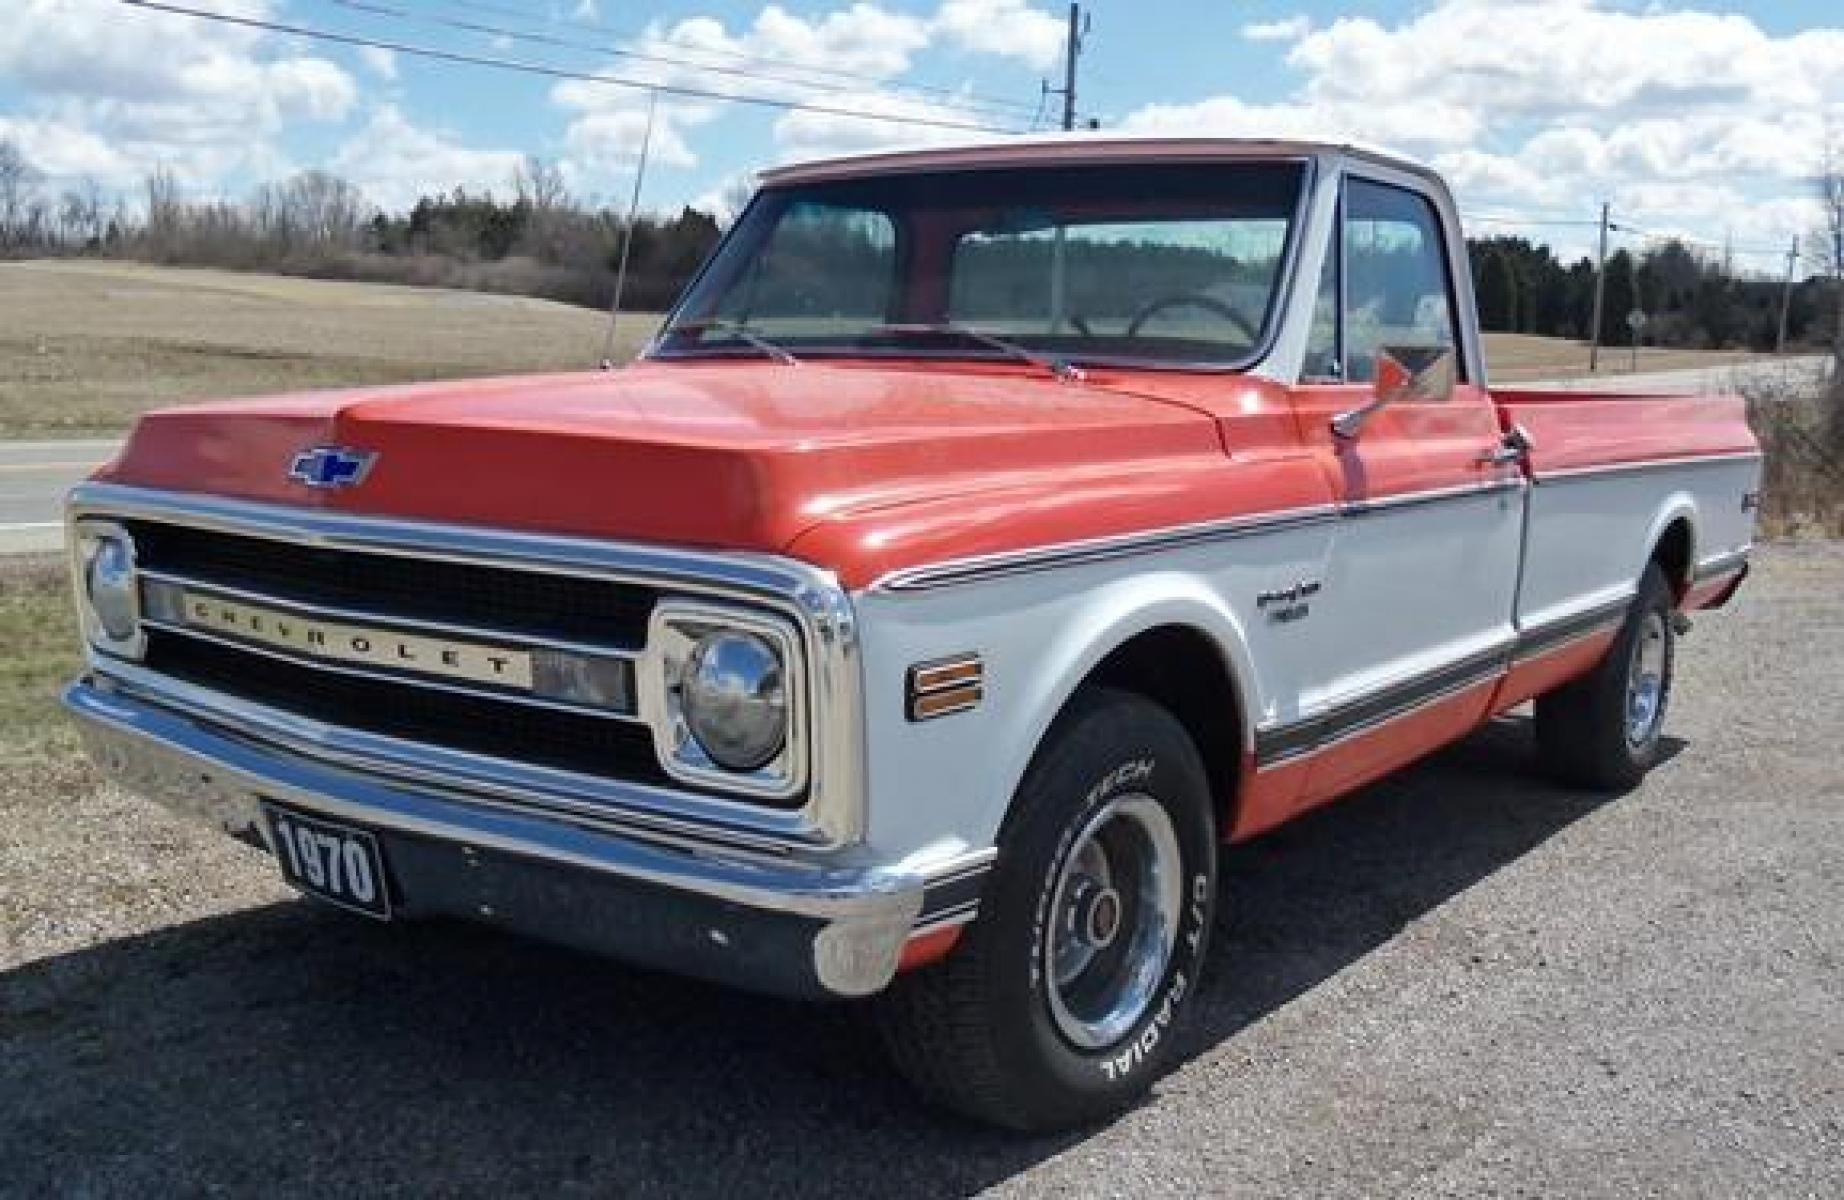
{"type": "Point", "coordinates": [331, 466]}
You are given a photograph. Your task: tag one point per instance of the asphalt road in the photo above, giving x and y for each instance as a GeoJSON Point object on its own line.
{"type": "Point", "coordinates": [1793, 375]}
{"type": "Point", "coordinates": [33, 479]}
{"type": "Point", "coordinates": [1465, 981]}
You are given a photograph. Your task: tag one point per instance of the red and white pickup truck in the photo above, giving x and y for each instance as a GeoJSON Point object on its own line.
{"type": "Point", "coordinates": [989, 534]}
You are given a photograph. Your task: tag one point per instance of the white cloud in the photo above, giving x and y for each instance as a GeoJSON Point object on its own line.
{"type": "Point", "coordinates": [395, 162]}
{"type": "Point", "coordinates": [1288, 29]}
{"type": "Point", "coordinates": [381, 62]}
{"type": "Point", "coordinates": [1536, 107]}
{"type": "Point", "coordinates": [1007, 28]}
{"type": "Point", "coordinates": [805, 135]}
{"type": "Point", "coordinates": [125, 90]}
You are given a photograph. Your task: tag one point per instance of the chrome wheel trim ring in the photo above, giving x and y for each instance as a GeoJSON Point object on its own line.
{"type": "Point", "coordinates": [1645, 681]}
{"type": "Point", "coordinates": [1114, 916]}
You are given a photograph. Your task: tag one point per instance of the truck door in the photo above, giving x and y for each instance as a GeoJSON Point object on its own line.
{"type": "Point", "coordinates": [1413, 624]}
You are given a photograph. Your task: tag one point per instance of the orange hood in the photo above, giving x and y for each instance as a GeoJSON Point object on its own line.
{"type": "Point", "coordinates": [735, 455]}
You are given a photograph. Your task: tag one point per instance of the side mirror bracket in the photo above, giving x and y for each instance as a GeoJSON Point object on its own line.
{"type": "Point", "coordinates": [1403, 373]}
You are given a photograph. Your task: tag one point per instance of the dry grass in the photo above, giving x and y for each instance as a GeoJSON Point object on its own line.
{"type": "Point", "coordinates": [39, 632]}
{"type": "Point", "coordinates": [1519, 357]}
{"type": "Point", "coordinates": [1802, 473]}
{"type": "Point", "coordinates": [85, 346]}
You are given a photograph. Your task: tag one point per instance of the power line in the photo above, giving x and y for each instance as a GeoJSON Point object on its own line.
{"type": "Point", "coordinates": [549, 72]}
{"type": "Point", "coordinates": [735, 56]}
{"type": "Point", "coordinates": [946, 97]}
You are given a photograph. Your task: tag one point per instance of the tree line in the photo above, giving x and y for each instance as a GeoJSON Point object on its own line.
{"type": "Point", "coordinates": [1689, 300]}
{"type": "Point", "coordinates": [535, 239]}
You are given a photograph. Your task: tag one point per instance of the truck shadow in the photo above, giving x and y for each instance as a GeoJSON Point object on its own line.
{"type": "Point", "coordinates": [286, 1048]}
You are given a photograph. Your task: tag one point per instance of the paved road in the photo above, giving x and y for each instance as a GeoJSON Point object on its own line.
{"type": "Point", "coordinates": [1800, 373]}
{"type": "Point", "coordinates": [1463, 982]}
{"type": "Point", "coordinates": [33, 479]}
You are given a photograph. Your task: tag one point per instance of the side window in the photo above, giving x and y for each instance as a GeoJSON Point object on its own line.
{"type": "Point", "coordinates": [1398, 290]}
{"type": "Point", "coordinates": [1323, 363]}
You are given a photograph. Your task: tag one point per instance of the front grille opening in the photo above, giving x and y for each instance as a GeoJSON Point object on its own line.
{"type": "Point", "coordinates": [482, 725]}
{"type": "Point", "coordinates": [602, 611]}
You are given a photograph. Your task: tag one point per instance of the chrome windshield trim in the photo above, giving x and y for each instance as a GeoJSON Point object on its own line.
{"type": "Point", "coordinates": [1257, 353]}
{"type": "Point", "coordinates": [810, 598]}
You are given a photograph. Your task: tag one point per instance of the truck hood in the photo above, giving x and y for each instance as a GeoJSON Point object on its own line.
{"type": "Point", "coordinates": [729, 455]}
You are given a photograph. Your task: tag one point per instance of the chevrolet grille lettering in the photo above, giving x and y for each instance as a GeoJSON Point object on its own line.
{"type": "Point", "coordinates": [334, 641]}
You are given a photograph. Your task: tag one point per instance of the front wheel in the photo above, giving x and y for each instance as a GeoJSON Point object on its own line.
{"type": "Point", "coordinates": [1602, 730]}
{"type": "Point", "coordinates": [1059, 1004]}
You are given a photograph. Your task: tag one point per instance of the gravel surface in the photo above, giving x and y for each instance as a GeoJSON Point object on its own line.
{"type": "Point", "coordinates": [1464, 981]}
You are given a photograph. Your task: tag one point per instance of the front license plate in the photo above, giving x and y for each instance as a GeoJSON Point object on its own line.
{"type": "Point", "coordinates": [329, 861]}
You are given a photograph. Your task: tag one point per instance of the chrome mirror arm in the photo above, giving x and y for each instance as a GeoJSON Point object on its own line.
{"type": "Point", "coordinates": [1417, 372]}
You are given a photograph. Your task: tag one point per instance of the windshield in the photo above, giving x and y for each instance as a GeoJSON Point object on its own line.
{"type": "Point", "coordinates": [1155, 264]}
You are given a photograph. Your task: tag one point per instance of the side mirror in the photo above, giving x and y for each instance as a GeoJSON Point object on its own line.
{"type": "Point", "coordinates": [1403, 373]}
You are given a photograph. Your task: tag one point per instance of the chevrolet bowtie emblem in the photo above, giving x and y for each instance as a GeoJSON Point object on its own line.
{"type": "Point", "coordinates": [331, 466]}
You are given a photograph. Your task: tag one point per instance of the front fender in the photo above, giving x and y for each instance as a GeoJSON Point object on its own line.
{"type": "Point", "coordinates": [942, 787]}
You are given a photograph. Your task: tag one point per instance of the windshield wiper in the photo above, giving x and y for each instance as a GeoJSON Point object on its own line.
{"type": "Point", "coordinates": [1057, 367]}
{"type": "Point", "coordinates": [743, 334]}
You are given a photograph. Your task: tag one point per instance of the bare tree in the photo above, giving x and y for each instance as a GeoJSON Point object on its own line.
{"type": "Point", "coordinates": [165, 212]}
{"type": "Point", "coordinates": [539, 183]}
{"type": "Point", "coordinates": [18, 185]}
{"type": "Point", "coordinates": [1828, 241]}
{"type": "Point", "coordinates": [325, 210]}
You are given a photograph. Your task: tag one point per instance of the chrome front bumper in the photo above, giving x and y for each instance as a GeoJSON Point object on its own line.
{"type": "Point", "coordinates": [782, 925]}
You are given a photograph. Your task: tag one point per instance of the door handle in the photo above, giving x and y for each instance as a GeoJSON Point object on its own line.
{"type": "Point", "coordinates": [1514, 447]}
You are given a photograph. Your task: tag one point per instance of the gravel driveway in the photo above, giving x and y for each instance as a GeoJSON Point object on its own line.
{"type": "Point", "coordinates": [1463, 982]}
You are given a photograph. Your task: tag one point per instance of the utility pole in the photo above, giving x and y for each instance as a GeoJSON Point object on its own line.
{"type": "Point", "coordinates": [1786, 294]}
{"type": "Point", "coordinates": [1600, 291]}
{"type": "Point", "coordinates": [1072, 50]}
{"type": "Point", "coordinates": [1059, 266]}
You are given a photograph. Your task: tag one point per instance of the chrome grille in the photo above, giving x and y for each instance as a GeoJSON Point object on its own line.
{"type": "Point", "coordinates": [532, 603]}
{"type": "Point", "coordinates": [453, 720]}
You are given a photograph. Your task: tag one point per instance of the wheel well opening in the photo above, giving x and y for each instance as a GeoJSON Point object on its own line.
{"type": "Point", "coordinates": [1673, 555]}
{"type": "Point", "coordinates": [1181, 669]}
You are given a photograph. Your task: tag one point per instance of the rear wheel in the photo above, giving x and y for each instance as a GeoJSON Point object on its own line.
{"type": "Point", "coordinates": [1058, 1005]}
{"type": "Point", "coordinates": [1602, 730]}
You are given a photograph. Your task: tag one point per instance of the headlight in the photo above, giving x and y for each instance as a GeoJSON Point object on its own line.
{"type": "Point", "coordinates": [735, 697]}
{"type": "Point", "coordinates": [724, 689]}
{"type": "Point", "coordinates": [110, 582]}
{"type": "Point", "coordinates": [107, 587]}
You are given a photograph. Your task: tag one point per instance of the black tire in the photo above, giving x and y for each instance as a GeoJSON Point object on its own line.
{"type": "Point", "coordinates": [1583, 732]}
{"type": "Point", "coordinates": [976, 1032]}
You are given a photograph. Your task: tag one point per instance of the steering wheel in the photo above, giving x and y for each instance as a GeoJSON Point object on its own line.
{"type": "Point", "coordinates": [1190, 300]}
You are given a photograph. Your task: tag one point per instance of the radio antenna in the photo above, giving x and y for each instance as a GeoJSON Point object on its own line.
{"type": "Point", "coordinates": [627, 237]}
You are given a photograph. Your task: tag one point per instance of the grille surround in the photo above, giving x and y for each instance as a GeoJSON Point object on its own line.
{"type": "Point", "coordinates": [832, 808]}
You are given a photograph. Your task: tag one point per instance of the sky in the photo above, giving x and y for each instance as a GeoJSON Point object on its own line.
{"type": "Point", "coordinates": [1705, 120]}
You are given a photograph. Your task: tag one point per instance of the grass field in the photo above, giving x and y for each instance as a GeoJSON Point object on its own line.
{"type": "Point", "coordinates": [1519, 357]}
{"type": "Point", "coordinates": [39, 632]}
{"type": "Point", "coordinates": [86, 345]}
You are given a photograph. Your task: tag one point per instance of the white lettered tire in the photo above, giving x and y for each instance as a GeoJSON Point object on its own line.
{"type": "Point", "coordinates": [1060, 1003]}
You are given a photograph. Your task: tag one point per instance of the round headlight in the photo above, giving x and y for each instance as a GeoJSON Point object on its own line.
{"type": "Point", "coordinates": [735, 700]}
{"type": "Point", "coordinates": [110, 581]}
